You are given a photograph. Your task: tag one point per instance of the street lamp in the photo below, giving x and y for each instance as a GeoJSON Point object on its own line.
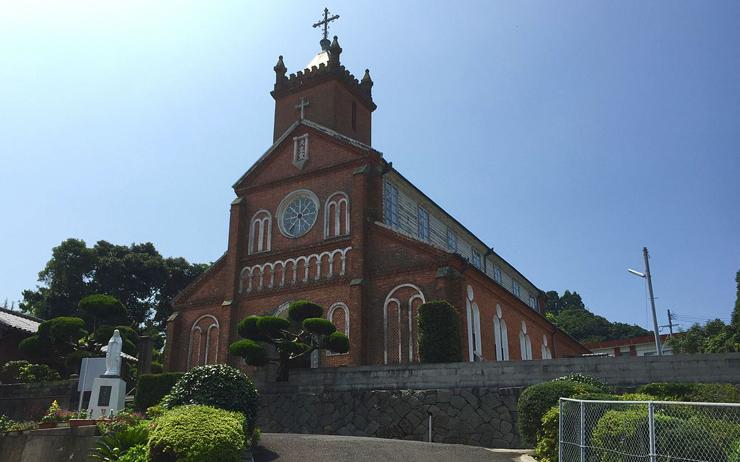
{"type": "Point", "coordinates": [646, 275]}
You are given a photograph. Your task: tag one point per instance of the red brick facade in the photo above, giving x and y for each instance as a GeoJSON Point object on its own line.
{"type": "Point", "coordinates": [366, 274]}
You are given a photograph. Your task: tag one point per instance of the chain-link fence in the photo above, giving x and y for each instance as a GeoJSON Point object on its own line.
{"type": "Point", "coordinates": [648, 431]}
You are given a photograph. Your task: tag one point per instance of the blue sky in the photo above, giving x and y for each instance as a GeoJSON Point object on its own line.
{"type": "Point", "coordinates": [567, 135]}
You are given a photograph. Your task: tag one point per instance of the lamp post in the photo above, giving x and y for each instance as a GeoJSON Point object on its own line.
{"type": "Point", "coordinates": [646, 275]}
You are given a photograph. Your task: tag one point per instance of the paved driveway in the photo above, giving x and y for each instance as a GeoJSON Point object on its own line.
{"type": "Point", "coordinates": [287, 447]}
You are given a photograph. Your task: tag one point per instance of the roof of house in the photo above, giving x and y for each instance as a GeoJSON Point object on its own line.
{"type": "Point", "coordinates": [19, 321]}
{"type": "Point", "coordinates": [639, 340]}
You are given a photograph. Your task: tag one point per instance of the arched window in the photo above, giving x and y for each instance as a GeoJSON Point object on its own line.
{"type": "Point", "coordinates": [336, 215]}
{"type": "Point", "coordinates": [260, 232]}
{"type": "Point", "coordinates": [338, 314]}
{"type": "Point", "coordinates": [501, 336]}
{"type": "Point", "coordinates": [204, 341]}
{"type": "Point", "coordinates": [474, 341]}
{"type": "Point", "coordinates": [399, 321]}
{"type": "Point", "coordinates": [525, 344]}
{"type": "Point", "coordinates": [546, 353]}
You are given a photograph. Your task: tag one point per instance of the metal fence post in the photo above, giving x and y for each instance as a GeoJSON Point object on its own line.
{"type": "Point", "coordinates": [651, 430]}
{"type": "Point", "coordinates": [560, 431]}
{"type": "Point", "coordinates": [583, 433]}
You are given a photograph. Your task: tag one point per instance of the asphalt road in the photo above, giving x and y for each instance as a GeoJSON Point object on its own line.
{"type": "Point", "coordinates": [287, 447]}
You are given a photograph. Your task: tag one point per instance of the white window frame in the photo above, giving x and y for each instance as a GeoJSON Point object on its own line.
{"type": "Point", "coordinates": [501, 335]}
{"type": "Point", "coordinates": [516, 289]}
{"type": "Point", "coordinates": [477, 260]}
{"type": "Point", "coordinates": [497, 276]}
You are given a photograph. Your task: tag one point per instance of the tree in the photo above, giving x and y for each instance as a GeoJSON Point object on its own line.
{"type": "Point", "coordinates": [439, 333]}
{"type": "Point", "coordinates": [137, 275]}
{"type": "Point", "coordinates": [571, 314]}
{"type": "Point", "coordinates": [304, 332]}
{"type": "Point", "coordinates": [98, 310]}
{"type": "Point", "coordinates": [713, 337]}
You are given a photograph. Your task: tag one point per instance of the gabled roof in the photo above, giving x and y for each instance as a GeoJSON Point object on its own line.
{"type": "Point", "coordinates": [320, 128]}
{"type": "Point", "coordinates": [19, 321]}
{"type": "Point", "coordinates": [197, 281]}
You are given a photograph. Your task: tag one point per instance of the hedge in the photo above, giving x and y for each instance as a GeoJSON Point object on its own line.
{"type": "Point", "coordinates": [695, 392]}
{"type": "Point", "coordinates": [620, 430]}
{"type": "Point", "coordinates": [216, 385]}
{"type": "Point", "coordinates": [195, 433]}
{"type": "Point", "coordinates": [439, 333]}
{"type": "Point", "coordinates": [151, 388]}
{"type": "Point", "coordinates": [536, 400]}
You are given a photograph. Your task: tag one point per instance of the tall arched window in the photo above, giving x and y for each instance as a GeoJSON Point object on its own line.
{"type": "Point", "coordinates": [204, 341]}
{"type": "Point", "coordinates": [501, 336]}
{"type": "Point", "coordinates": [525, 343]}
{"type": "Point", "coordinates": [336, 215]}
{"type": "Point", "coordinates": [546, 353]}
{"type": "Point", "coordinates": [260, 232]}
{"type": "Point", "coordinates": [475, 350]}
{"type": "Point", "coordinates": [399, 321]}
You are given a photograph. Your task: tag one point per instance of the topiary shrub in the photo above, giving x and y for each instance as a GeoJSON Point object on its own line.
{"type": "Point", "coordinates": [293, 339]}
{"type": "Point", "coordinates": [693, 392]}
{"type": "Point", "coordinates": [536, 400]}
{"type": "Point", "coordinates": [216, 385]}
{"type": "Point", "coordinates": [439, 333]}
{"type": "Point", "coordinates": [197, 433]}
{"type": "Point", "coordinates": [24, 372]}
{"type": "Point", "coordinates": [680, 439]}
{"type": "Point", "coordinates": [151, 388]}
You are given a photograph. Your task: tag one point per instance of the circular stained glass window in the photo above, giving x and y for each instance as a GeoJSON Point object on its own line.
{"type": "Point", "coordinates": [297, 213]}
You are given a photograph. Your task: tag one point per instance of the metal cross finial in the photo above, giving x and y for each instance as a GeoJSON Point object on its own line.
{"type": "Point", "coordinates": [302, 105]}
{"type": "Point", "coordinates": [325, 22]}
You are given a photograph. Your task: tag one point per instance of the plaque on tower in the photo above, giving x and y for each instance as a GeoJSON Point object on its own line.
{"type": "Point", "coordinates": [300, 150]}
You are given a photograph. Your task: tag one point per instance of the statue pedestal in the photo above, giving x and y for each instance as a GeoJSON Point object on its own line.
{"type": "Point", "coordinates": [108, 393]}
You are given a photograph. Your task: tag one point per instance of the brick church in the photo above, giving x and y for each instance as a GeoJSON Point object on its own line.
{"type": "Point", "coordinates": [323, 216]}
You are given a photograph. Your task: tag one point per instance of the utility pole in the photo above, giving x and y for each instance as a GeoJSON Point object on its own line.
{"type": "Point", "coordinates": [652, 300]}
{"type": "Point", "coordinates": [670, 323]}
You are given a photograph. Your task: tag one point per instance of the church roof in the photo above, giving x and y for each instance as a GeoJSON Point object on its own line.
{"type": "Point", "coordinates": [322, 57]}
{"type": "Point", "coordinates": [19, 321]}
{"type": "Point", "coordinates": [320, 128]}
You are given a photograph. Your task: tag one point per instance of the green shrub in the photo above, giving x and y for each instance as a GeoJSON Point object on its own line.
{"type": "Point", "coordinates": [197, 433]}
{"type": "Point", "coordinates": [300, 310]}
{"type": "Point", "coordinates": [247, 328]}
{"type": "Point", "coordinates": [216, 385]}
{"type": "Point", "coordinates": [586, 379]}
{"type": "Point", "coordinates": [681, 439]}
{"type": "Point", "coordinates": [319, 326]}
{"type": "Point", "coordinates": [546, 449]}
{"type": "Point", "coordinates": [272, 325]}
{"type": "Point", "coordinates": [138, 453]}
{"type": "Point", "coordinates": [25, 372]}
{"type": "Point", "coordinates": [536, 400]}
{"type": "Point", "coordinates": [151, 388]}
{"type": "Point", "coordinates": [253, 352]}
{"type": "Point", "coordinates": [734, 455]}
{"type": "Point", "coordinates": [337, 342]}
{"type": "Point", "coordinates": [693, 392]}
{"type": "Point", "coordinates": [439, 333]}
{"type": "Point", "coordinates": [114, 445]}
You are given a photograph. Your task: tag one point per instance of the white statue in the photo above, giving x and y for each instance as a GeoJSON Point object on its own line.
{"type": "Point", "coordinates": [113, 355]}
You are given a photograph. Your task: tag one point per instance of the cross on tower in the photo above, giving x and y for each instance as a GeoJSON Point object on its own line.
{"type": "Point", "coordinates": [302, 105]}
{"type": "Point", "coordinates": [325, 22]}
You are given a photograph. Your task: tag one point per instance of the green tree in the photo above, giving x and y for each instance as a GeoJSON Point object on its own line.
{"type": "Point", "coordinates": [569, 313]}
{"type": "Point", "coordinates": [713, 337]}
{"type": "Point", "coordinates": [304, 332]}
{"type": "Point", "coordinates": [439, 333]}
{"type": "Point", "coordinates": [99, 309]}
{"type": "Point", "coordinates": [137, 275]}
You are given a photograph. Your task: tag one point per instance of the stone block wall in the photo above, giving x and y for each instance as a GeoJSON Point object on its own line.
{"type": "Point", "coordinates": [30, 401]}
{"type": "Point", "coordinates": [474, 416]}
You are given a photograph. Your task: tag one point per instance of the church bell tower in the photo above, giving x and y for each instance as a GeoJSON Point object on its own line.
{"type": "Point", "coordinates": [324, 92]}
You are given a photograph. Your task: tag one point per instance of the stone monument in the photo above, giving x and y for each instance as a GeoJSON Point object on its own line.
{"type": "Point", "coordinates": [109, 390]}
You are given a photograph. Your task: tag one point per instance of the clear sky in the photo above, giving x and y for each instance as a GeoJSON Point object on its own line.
{"type": "Point", "coordinates": [567, 135]}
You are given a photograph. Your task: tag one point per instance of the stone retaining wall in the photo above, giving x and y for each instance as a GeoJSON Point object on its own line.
{"type": "Point", "coordinates": [49, 445]}
{"type": "Point", "coordinates": [29, 401]}
{"type": "Point", "coordinates": [476, 416]}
